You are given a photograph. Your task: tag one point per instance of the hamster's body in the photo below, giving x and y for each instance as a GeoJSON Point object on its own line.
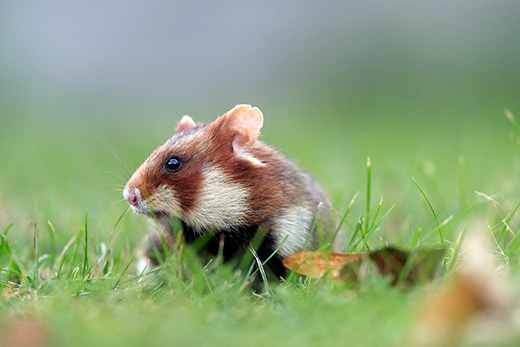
{"type": "Point", "coordinates": [219, 179]}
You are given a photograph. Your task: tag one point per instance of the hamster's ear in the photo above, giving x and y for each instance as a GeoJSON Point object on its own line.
{"type": "Point", "coordinates": [241, 125]}
{"type": "Point", "coordinates": [185, 124]}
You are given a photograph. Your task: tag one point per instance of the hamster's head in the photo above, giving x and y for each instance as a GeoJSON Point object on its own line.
{"type": "Point", "coordinates": [189, 175]}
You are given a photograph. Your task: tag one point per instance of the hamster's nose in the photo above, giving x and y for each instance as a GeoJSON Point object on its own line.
{"type": "Point", "coordinates": [131, 195]}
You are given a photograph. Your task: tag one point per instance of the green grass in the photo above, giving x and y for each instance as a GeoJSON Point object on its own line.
{"type": "Point", "coordinates": [67, 243]}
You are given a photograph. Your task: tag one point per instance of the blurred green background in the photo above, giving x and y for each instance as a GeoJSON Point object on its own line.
{"type": "Point", "coordinates": [419, 87]}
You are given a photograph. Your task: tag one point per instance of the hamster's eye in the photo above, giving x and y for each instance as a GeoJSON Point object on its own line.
{"type": "Point", "coordinates": [173, 164]}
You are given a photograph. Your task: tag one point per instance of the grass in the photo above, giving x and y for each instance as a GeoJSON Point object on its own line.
{"type": "Point", "coordinates": [67, 243]}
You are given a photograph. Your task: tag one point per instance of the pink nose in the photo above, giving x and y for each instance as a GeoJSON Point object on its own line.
{"type": "Point", "coordinates": [131, 195]}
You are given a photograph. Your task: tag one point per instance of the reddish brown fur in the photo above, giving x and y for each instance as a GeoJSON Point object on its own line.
{"type": "Point", "coordinates": [277, 184]}
{"type": "Point", "coordinates": [261, 181]}
{"type": "Point", "coordinates": [153, 177]}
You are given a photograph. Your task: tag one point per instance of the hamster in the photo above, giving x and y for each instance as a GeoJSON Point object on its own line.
{"type": "Point", "coordinates": [220, 181]}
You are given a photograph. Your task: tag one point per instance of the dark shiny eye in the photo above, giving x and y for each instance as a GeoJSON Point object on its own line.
{"type": "Point", "coordinates": [173, 164]}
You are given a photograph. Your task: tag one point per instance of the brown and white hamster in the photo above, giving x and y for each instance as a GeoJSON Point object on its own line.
{"type": "Point", "coordinates": [219, 178]}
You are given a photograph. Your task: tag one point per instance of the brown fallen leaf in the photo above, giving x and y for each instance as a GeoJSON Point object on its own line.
{"type": "Point", "coordinates": [405, 267]}
{"type": "Point", "coordinates": [474, 306]}
{"type": "Point", "coordinates": [318, 264]}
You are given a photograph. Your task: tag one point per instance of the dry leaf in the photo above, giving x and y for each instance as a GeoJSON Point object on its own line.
{"type": "Point", "coordinates": [474, 306]}
{"type": "Point", "coordinates": [404, 266]}
{"type": "Point", "coordinates": [407, 267]}
{"type": "Point", "coordinates": [316, 265]}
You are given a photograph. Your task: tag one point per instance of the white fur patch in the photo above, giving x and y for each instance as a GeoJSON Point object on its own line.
{"type": "Point", "coordinates": [143, 266]}
{"type": "Point", "coordinates": [292, 228]}
{"type": "Point", "coordinates": [164, 199]}
{"type": "Point", "coordinates": [221, 203]}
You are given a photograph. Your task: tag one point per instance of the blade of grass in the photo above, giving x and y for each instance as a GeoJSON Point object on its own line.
{"type": "Point", "coordinates": [507, 226]}
{"type": "Point", "coordinates": [261, 269]}
{"type": "Point", "coordinates": [439, 228]}
{"type": "Point", "coordinates": [36, 237]}
{"type": "Point", "coordinates": [13, 273]}
{"type": "Point", "coordinates": [456, 250]}
{"type": "Point", "coordinates": [84, 271]}
{"type": "Point", "coordinates": [376, 214]}
{"type": "Point", "coordinates": [61, 257]}
{"type": "Point", "coordinates": [52, 234]}
{"type": "Point", "coordinates": [368, 196]}
{"type": "Point", "coordinates": [416, 234]}
{"type": "Point", "coordinates": [114, 234]}
{"type": "Point", "coordinates": [345, 214]}
{"type": "Point", "coordinates": [357, 229]}
{"type": "Point", "coordinates": [251, 273]}
{"type": "Point", "coordinates": [123, 272]}
{"type": "Point", "coordinates": [6, 230]}
{"type": "Point", "coordinates": [371, 230]}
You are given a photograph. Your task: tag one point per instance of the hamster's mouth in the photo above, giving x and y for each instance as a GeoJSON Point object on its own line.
{"type": "Point", "coordinates": [147, 211]}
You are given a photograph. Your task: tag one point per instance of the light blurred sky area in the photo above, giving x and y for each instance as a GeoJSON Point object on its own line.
{"type": "Point", "coordinates": [178, 56]}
